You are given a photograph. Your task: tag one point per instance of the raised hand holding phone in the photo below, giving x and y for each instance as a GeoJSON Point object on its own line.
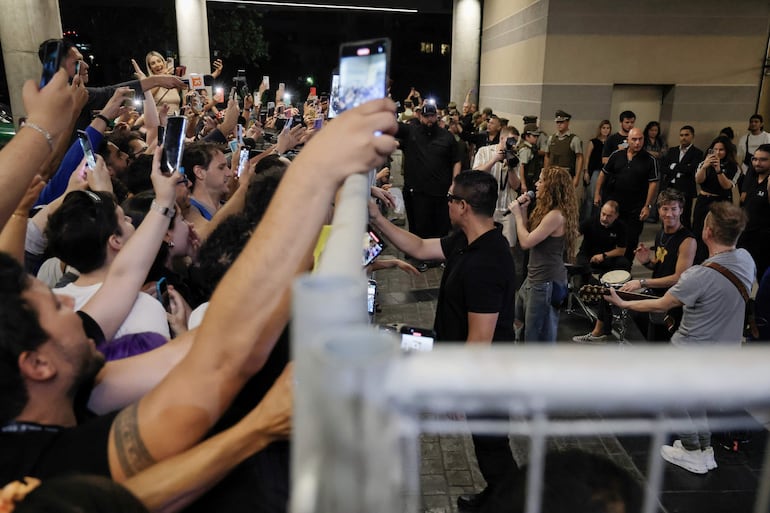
{"type": "Point", "coordinates": [173, 144]}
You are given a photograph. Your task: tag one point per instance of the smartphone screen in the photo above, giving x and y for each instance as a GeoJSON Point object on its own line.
{"type": "Point", "coordinates": [243, 161]}
{"type": "Point", "coordinates": [161, 289]}
{"type": "Point", "coordinates": [128, 99]}
{"type": "Point", "coordinates": [266, 81]}
{"type": "Point", "coordinates": [373, 247]}
{"type": "Point", "coordinates": [318, 123]}
{"type": "Point", "coordinates": [52, 57]}
{"type": "Point", "coordinates": [416, 339]}
{"type": "Point", "coordinates": [363, 72]}
{"type": "Point", "coordinates": [239, 133]}
{"type": "Point", "coordinates": [334, 96]}
{"type": "Point", "coordinates": [288, 123]}
{"type": "Point", "coordinates": [161, 134]}
{"type": "Point", "coordinates": [371, 294]}
{"type": "Point", "coordinates": [88, 151]}
{"type": "Point", "coordinates": [173, 143]}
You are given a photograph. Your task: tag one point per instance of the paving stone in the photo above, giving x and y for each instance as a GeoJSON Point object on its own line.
{"type": "Point", "coordinates": [459, 478]}
{"type": "Point", "coordinates": [455, 460]}
{"type": "Point", "coordinates": [434, 484]}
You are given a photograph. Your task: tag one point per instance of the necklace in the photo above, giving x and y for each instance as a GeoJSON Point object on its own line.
{"type": "Point", "coordinates": [723, 251]}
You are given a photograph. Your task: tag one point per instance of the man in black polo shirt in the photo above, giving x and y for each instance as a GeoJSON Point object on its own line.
{"type": "Point", "coordinates": [631, 179]}
{"type": "Point", "coordinates": [431, 159]}
{"type": "Point", "coordinates": [755, 199]}
{"type": "Point", "coordinates": [475, 302]}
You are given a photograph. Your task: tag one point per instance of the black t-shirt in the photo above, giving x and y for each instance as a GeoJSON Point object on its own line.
{"type": "Point", "coordinates": [598, 239]}
{"type": "Point", "coordinates": [627, 180]}
{"type": "Point", "coordinates": [48, 451]}
{"type": "Point", "coordinates": [756, 206]}
{"type": "Point", "coordinates": [429, 158]}
{"type": "Point", "coordinates": [667, 253]}
{"type": "Point", "coordinates": [612, 143]}
{"type": "Point", "coordinates": [711, 183]}
{"type": "Point", "coordinates": [478, 278]}
{"type": "Point", "coordinates": [595, 158]}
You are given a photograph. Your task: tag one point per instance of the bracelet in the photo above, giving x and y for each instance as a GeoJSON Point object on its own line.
{"type": "Point", "coordinates": [20, 214]}
{"type": "Point", "coordinates": [42, 131]}
{"type": "Point", "coordinates": [166, 211]}
{"type": "Point", "coordinates": [103, 118]}
{"type": "Point", "coordinates": [643, 283]}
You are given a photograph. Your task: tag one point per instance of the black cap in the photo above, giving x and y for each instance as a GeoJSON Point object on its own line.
{"type": "Point", "coordinates": [530, 119]}
{"type": "Point", "coordinates": [562, 116]}
{"type": "Point", "coordinates": [429, 109]}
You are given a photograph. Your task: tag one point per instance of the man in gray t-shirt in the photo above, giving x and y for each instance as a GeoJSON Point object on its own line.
{"type": "Point", "coordinates": [713, 314]}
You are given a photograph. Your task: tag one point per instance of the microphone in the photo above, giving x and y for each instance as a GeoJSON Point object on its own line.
{"type": "Point", "coordinates": [530, 195]}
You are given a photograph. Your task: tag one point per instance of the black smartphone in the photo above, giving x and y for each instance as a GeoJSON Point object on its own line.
{"type": "Point", "coordinates": [161, 134]}
{"type": "Point", "coordinates": [363, 72]}
{"type": "Point", "coordinates": [161, 289]}
{"type": "Point", "coordinates": [88, 151]}
{"type": "Point", "coordinates": [373, 246]}
{"type": "Point", "coordinates": [52, 59]}
{"type": "Point", "coordinates": [173, 144]}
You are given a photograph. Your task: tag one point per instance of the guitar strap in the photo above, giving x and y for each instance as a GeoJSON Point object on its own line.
{"type": "Point", "coordinates": [730, 276]}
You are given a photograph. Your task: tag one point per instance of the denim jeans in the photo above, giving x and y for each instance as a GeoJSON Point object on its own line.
{"type": "Point", "coordinates": [533, 306]}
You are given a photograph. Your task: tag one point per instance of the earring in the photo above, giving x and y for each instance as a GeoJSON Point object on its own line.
{"type": "Point", "coordinates": [170, 244]}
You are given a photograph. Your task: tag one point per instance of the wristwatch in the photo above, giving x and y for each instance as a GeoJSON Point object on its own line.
{"type": "Point", "coordinates": [166, 211]}
{"type": "Point", "coordinates": [643, 283]}
{"type": "Point", "coordinates": [649, 207]}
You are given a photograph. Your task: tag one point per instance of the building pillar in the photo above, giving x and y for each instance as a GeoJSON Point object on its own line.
{"type": "Point", "coordinates": [192, 30]}
{"type": "Point", "coordinates": [466, 48]}
{"type": "Point", "coordinates": [25, 24]}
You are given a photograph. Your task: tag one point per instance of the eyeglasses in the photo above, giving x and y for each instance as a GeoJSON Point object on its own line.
{"type": "Point", "coordinates": [451, 197]}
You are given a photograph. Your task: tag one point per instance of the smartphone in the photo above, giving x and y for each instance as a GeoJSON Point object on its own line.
{"type": "Point", "coordinates": [88, 151]}
{"type": "Point", "coordinates": [289, 122]}
{"type": "Point", "coordinates": [373, 246]}
{"type": "Point", "coordinates": [128, 99]}
{"type": "Point", "coordinates": [282, 86]}
{"type": "Point", "coordinates": [233, 145]}
{"type": "Point", "coordinates": [161, 289]}
{"type": "Point", "coordinates": [363, 72]}
{"type": "Point", "coordinates": [52, 59]}
{"type": "Point", "coordinates": [334, 96]}
{"type": "Point", "coordinates": [318, 123]}
{"type": "Point", "coordinates": [161, 134]}
{"type": "Point", "coordinates": [77, 67]}
{"type": "Point", "coordinates": [710, 151]}
{"type": "Point", "coordinates": [180, 71]}
{"type": "Point", "coordinates": [239, 133]}
{"type": "Point", "coordinates": [416, 339]}
{"type": "Point", "coordinates": [266, 81]}
{"type": "Point", "coordinates": [173, 144]}
{"type": "Point", "coordinates": [243, 161]}
{"type": "Point", "coordinates": [170, 63]}
{"type": "Point", "coordinates": [371, 294]}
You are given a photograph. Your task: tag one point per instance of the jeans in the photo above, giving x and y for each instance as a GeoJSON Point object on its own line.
{"type": "Point", "coordinates": [533, 307]}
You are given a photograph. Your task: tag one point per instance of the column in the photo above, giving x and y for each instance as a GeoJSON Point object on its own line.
{"type": "Point", "coordinates": [25, 24]}
{"type": "Point", "coordinates": [192, 30]}
{"type": "Point", "coordinates": [466, 46]}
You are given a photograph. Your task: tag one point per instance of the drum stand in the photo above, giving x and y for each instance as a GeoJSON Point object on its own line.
{"type": "Point", "coordinates": [573, 272]}
{"type": "Point", "coordinates": [619, 324]}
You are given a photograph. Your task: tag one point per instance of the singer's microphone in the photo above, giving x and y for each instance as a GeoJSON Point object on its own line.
{"type": "Point", "coordinates": [530, 194]}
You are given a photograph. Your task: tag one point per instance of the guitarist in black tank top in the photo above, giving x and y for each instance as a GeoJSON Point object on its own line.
{"type": "Point", "coordinates": [672, 254]}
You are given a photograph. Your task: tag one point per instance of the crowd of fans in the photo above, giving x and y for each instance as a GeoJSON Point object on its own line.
{"type": "Point", "coordinates": [181, 280]}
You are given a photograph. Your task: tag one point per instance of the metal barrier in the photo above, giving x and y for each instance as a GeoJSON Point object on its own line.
{"type": "Point", "coordinates": [360, 405]}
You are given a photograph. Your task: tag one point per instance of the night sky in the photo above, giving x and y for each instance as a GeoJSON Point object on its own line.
{"type": "Point", "coordinates": [301, 43]}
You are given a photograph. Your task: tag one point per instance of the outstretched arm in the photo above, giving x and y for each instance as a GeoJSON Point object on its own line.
{"type": "Point", "coordinates": [241, 325]}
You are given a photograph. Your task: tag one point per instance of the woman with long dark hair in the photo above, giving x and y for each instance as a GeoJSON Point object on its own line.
{"type": "Point", "coordinates": [550, 234]}
{"type": "Point", "coordinates": [715, 176]}
{"type": "Point", "coordinates": [594, 167]}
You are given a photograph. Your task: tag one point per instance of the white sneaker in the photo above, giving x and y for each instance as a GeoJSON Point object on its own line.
{"type": "Point", "coordinates": [708, 453]}
{"type": "Point", "coordinates": [589, 338]}
{"type": "Point", "coordinates": [693, 461]}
